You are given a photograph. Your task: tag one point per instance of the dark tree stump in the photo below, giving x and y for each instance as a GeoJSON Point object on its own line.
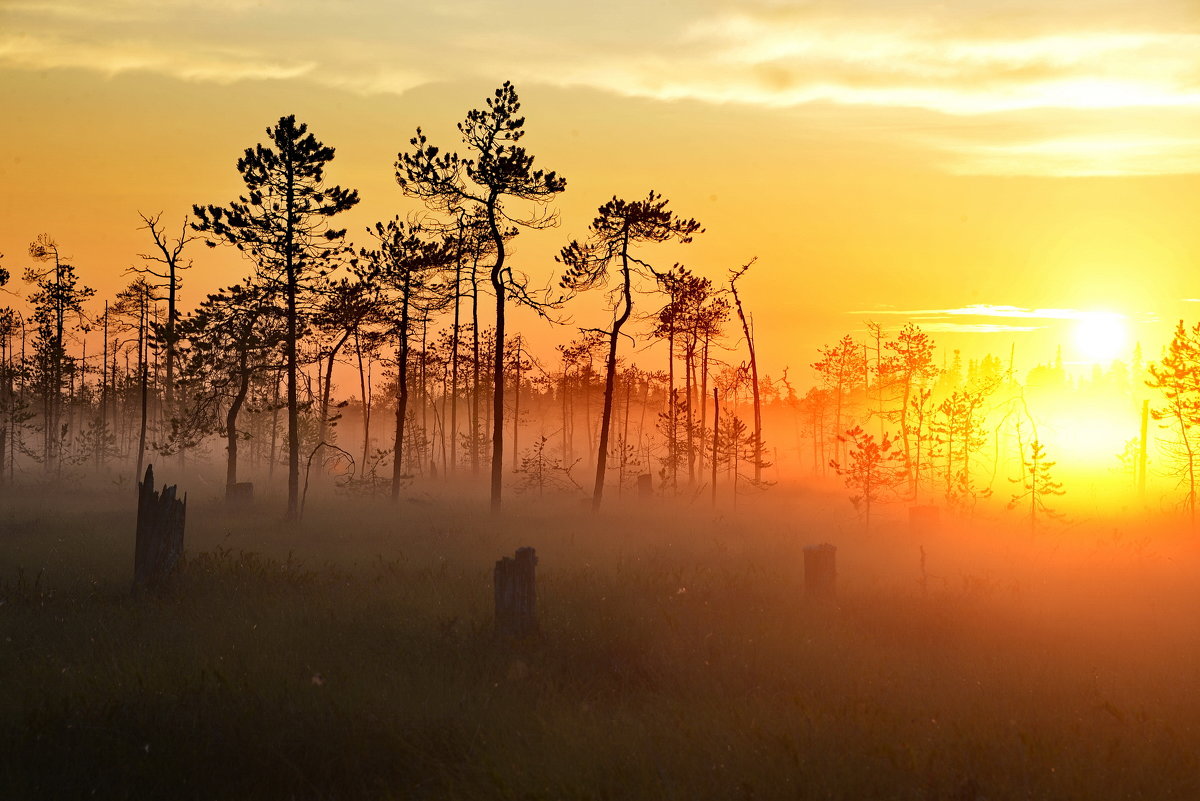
{"type": "Point", "coordinates": [158, 548]}
{"type": "Point", "coordinates": [516, 595]}
{"type": "Point", "coordinates": [645, 485]}
{"type": "Point", "coordinates": [239, 495]}
{"type": "Point", "coordinates": [820, 572]}
{"type": "Point", "coordinates": [923, 519]}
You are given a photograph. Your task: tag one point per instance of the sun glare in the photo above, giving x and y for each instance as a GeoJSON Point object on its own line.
{"type": "Point", "coordinates": [1101, 336]}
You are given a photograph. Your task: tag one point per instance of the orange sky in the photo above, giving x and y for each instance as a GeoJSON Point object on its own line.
{"type": "Point", "coordinates": [880, 158]}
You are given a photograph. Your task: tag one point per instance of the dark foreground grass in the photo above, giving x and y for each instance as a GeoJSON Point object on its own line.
{"type": "Point", "coordinates": [354, 659]}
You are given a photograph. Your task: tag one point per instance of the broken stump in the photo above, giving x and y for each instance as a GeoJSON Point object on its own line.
{"type": "Point", "coordinates": [820, 572]}
{"type": "Point", "coordinates": [158, 547]}
{"type": "Point", "coordinates": [516, 595]}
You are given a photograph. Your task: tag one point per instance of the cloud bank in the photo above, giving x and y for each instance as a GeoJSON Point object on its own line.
{"type": "Point", "coordinates": [992, 86]}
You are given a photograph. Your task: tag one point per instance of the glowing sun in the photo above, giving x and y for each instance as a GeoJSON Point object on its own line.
{"type": "Point", "coordinates": [1101, 336]}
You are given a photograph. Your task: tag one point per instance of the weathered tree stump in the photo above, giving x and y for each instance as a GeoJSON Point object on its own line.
{"type": "Point", "coordinates": [645, 486]}
{"type": "Point", "coordinates": [923, 519]}
{"type": "Point", "coordinates": [516, 595]}
{"type": "Point", "coordinates": [240, 494]}
{"type": "Point", "coordinates": [820, 572]}
{"type": "Point", "coordinates": [158, 547]}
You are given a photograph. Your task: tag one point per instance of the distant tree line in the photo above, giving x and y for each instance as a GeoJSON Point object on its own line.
{"type": "Point", "coordinates": [418, 310]}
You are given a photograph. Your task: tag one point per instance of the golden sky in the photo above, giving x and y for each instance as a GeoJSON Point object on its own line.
{"type": "Point", "coordinates": [993, 167]}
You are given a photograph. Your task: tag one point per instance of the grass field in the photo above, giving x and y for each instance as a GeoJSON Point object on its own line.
{"type": "Point", "coordinates": [353, 658]}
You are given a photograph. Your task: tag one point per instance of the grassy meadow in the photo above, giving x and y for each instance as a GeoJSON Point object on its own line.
{"type": "Point", "coordinates": [352, 657]}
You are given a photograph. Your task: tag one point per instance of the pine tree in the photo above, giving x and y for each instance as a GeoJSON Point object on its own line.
{"type": "Point", "coordinates": [498, 169]}
{"type": "Point", "coordinates": [1177, 376]}
{"type": "Point", "coordinates": [58, 297]}
{"type": "Point", "coordinates": [877, 469]}
{"type": "Point", "coordinates": [283, 223]}
{"type": "Point", "coordinates": [1038, 485]}
{"type": "Point", "coordinates": [619, 226]}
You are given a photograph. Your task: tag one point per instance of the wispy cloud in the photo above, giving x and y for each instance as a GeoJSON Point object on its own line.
{"type": "Point", "coordinates": [199, 62]}
{"type": "Point", "coordinates": [989, 310]}
{"type": "Point", "coordinates": [982, 317]}
{"type": "Point", "coordinates": [1032, 79]}
{"type": "Point", "coordinates": [976, 328]}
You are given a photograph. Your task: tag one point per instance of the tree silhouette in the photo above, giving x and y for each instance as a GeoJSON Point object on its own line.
{"type": "Point", "coordinates": [404, 263]}
{"type": "Point", "coordinates": [842, 369]}
{"type": "Point", "coordinates": [957, 430]}
{"type": "Point", "coordinates": [690, 314]}
{"type": "Point", "coordinates": [498, 169]}
{"type": "Point", "coordinates": [57, 297]}
{"type": "Point", "coordinates": [135, 303]}
{"type": "Point", "coordinates": [1037, 483]}
{"type": "Point", "coordinates": [1177, 377]}
{"type": "Point", "coordinates": [619, 225]}
{"type": "Point", "coordinates": [165, 263]}
{"type": "Point", "coordinates": [283, 222]}
{"type": "Point", "coordinates": [748, 333]}
{"type": "Point", "coordinates": [230, 340]}
{"type": "Point", "coordinates": [876, 468]}
{"type": "Point", "coordinates": [908, 365]}
{"type": "Point", "coordinates": [346, 306]}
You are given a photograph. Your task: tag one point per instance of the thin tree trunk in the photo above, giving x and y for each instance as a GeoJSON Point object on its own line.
{"type": "Point", "coordinates": [235, 408]}
{"type": "Point", "coordinates": [610, 374]}
{"type": "Point", "coordinates": [498, 364]}
{"type": "Point", "coordinates": [401, 392]}
{"type": "Point", "coordinates": [715, 444]}
{"type": "Point", "coordinates": [293, 313]}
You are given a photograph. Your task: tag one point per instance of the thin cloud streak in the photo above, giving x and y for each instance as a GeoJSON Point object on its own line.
{"type": "Point", "coordinates": [976, 328]}
{"type": "Point", "coordinates": [936, 317]}
{"type": "Point", "coordinates": [995, 62]}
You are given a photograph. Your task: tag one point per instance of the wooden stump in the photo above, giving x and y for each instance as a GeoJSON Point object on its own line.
{"type": "Point", "coordinates": [645, 486]}
{"type": "Point", "coordinates": [516, 595]}
{"type": "Point", "coordinates": [158, 547]}
{"type": "Point", "coordinates": [923, 519]}
{"type": "Point", "coordinates": [820, 572]}
{"type": "Point", "coordinates": [240, 494]}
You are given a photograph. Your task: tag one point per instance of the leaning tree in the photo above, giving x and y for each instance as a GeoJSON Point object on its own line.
{"type": "Point", "coordinates": [497, 169]}
{"type": "Point", "coordinates": [283, 223]}
{"type": "Point", "coordinates": [619, 226]}
{"type": "Point", "coordinates": [230, 340]}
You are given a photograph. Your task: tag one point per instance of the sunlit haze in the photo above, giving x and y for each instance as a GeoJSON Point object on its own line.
{"type": "Point", "coordinates": [688, 399]}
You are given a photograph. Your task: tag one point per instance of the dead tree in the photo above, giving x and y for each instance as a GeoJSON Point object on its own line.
{"type": "Point", "coordinates": [158, 548]}
{"type": "Point", "coordinates": [516, 595]}
{"type": "Point", "coordinates": [748, 331]}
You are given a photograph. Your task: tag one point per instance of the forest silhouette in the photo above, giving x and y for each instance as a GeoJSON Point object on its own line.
{"type": "Point", "coordinates": [322, 333]}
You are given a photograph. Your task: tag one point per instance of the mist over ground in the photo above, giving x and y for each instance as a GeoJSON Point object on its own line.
{"type": "Point", "coordinates": [352, 654]}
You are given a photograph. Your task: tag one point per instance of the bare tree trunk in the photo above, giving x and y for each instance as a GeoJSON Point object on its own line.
{"type": "Point", "coordinates": [231, 435]}
{"type": "Point", "coordinates": [716, 428]}
{"type": "Point", "coordinates": [143, 320]}
{"type": "Point", "coordinates": [455, 333]}
{"type": "Point", "coordinates": [610, 375]}
{"type": "Point", "coordinates": [401, 392]}
{"type": "Point", "coordinates": [364, 392]}
{"type": "Point", "coordinates": [292, 362]}
{"type": "Point", "coordinates": [749, 334]}
{"type": "Point", "coordinates": [326, 389]}
{"type": "Point", "coordinates": [497, 362]}
{"type": "Point", "coordinates": [517, 406]}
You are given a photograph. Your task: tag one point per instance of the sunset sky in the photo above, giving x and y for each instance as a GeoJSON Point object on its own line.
{"type": "Point", "coordinates": [994, 169]}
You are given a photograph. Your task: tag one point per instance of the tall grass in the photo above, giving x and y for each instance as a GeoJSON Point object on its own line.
{"type": "Point", "coordinates": [353, 658]}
